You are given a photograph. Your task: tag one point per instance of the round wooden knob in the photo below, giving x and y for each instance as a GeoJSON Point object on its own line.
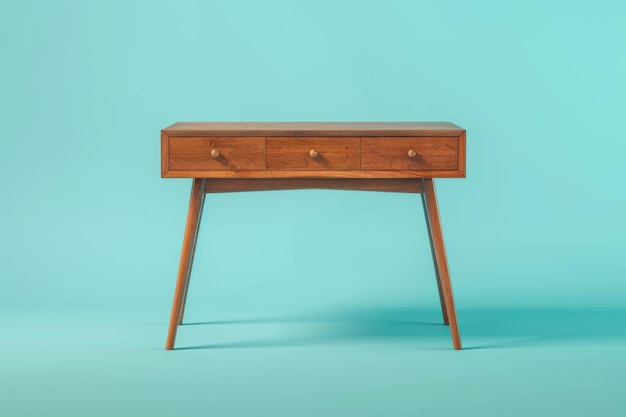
{"type": "Point", "coordinates": [411, 153]}
{"type": "Point", "coordinates": [215, 153]}
{"type": "Point", "coordinates": [313, 153]}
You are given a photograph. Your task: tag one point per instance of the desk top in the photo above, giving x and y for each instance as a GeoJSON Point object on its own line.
{"type": "Point", "coordinates": [313, 129]}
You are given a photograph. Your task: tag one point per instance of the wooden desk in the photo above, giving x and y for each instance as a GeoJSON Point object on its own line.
{"type": "Point", "coordinates": [394, 157]}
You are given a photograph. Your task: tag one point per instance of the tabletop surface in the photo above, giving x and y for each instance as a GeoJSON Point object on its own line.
{"type": "Point", "coordinates": [313, 129]}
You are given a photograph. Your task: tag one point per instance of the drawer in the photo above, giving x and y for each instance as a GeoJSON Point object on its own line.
{"type": "Point", "coordinates": [410, 153]}
{"type": "Point", "coordinates": [313, 153]}
{"type": "Point", "coordinates": [216, 153]}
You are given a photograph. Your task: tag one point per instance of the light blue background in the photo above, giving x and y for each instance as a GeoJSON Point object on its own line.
{"type": "Point", "coordinates": [90, 234]}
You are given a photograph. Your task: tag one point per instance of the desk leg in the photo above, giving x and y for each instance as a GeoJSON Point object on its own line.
{"type": "Point", "coordinates": [194, 214]}
{"type": "Point", "coordinates": [442, 299]}
{"type": "Point", "coordinates": [435, 233]}
{"type": "Point", "coordinates": [192, 252]}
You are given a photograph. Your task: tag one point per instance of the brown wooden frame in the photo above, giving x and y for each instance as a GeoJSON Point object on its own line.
{"type": "Point", "coordinates": [245, 170]}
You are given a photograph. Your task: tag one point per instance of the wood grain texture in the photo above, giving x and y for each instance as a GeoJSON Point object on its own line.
{"type": "Point", "coordinates": [399, 185]}
{"type": "Point", "coordinates": [462, 155]}
{"type": "Point", "coordinates": [437, 155]}
{"type": "Point", "coordinates": [296, 129]}
{"type": "Point", "coordinates": [312, 174]}
{"type": "Point", "coordinates": [165, 152]}
{"type": "Point", "coordinates": [289, 154]}
{"type": "Point", "coordinates": [194, 153]}
{"type": "Point", "coordinates": [441, 263]}
{"type": "Point", "coordinates": [391, 153]}
{"type": "Point", "coordinates": [186, 257]}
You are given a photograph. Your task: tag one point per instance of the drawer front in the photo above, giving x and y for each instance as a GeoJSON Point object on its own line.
{"type": "Point", "coordinates": [216, 153]}
{"type": "Point", "coordinates": [410, 153]}
{"type": "Point", "coordinates": [333, 154]}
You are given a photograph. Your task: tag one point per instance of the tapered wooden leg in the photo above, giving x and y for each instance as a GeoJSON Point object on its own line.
{"type": "Point", "coordinates": [191, 257]}
{"type": "Point", "coordinates": [442, 300]}
{"type": "Point", "coordinates": [439, 255]}
{"type": "Point", "coordinates": [186, 258]}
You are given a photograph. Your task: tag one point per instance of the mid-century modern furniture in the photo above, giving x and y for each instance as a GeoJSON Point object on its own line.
{"type": "Point", "coordinates": [395, 157]}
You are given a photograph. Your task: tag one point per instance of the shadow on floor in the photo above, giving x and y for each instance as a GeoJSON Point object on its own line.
{"type": "Point", "coordinates": [480, 329]}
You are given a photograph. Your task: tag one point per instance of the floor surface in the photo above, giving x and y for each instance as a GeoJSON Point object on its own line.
{"type": "Point", "coordinates": [358, 361]}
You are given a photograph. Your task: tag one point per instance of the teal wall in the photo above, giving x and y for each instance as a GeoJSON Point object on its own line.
{"type": "Point", "coordinates": [86, 86]}
{"type": "Point", "coordinates": [312, 303]}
